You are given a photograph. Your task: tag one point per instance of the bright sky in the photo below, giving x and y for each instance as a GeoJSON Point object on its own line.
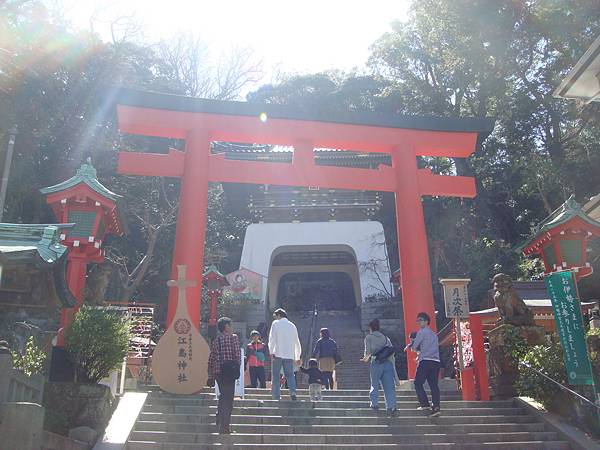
{"type": "Point", "coordinates": [287, 36]}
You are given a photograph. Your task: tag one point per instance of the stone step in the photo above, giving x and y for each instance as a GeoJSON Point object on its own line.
{"type": "Point", "coordinates": [392, 428]}
{"type": "Point", "coordinates": [327, 393]}
{"type": "Point", "coordinates": [299, 411]}
{"type": "Point", "coordinates": [155, 391]}
{"type": "Point", "coordinates": [331, 395]}
{"type": "Point", "coordinates": [409, 399]}
{"type": "Point", "coordinates": [362, 404]}
{"type": "Point", "coordinates": [226, 443]}
{"type": "Point", "coordinates": [301, 439]}
{"type": "Point", "coordinates": [417, 419]}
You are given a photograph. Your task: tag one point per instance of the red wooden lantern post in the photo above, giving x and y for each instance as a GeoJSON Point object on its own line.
{"type": "Point", "coordinates": [561, 240]}
{"type": "Point", "coordinates": [214, 282]}
{"type": "Point", "coordinates": [92, 208]}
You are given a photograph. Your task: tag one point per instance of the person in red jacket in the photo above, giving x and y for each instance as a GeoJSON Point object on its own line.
{"type": "Point", "coordinates": [256, 357]}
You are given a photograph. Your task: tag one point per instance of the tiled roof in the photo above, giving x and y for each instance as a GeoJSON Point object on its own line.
{"type": "Point", "coordinates": [323, 156]}
{"type": "Point", "coordinates": [38, 245]}
{"type": "Point", "coordinates": [85, 174]}
{"type": "Point", "coordinates": [146, 99]}
{"type": "Point", "coordinates": [25, 241]}
{"type": "Point", "coordinates": [565, 212]}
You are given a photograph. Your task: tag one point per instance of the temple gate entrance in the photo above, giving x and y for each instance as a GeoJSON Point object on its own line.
{"type": "Point", "coordinates": [327, 291]}
{"type": "Point", "coordinates": [323, 275]}
{"type": "Point", "coordinates": [202, 122]}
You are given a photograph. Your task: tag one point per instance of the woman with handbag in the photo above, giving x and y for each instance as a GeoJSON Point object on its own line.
{"type": "Point", "coordinates": [224, 367]}
{"type": "Point", "coordinates": [379, 352]}
{"type": "Point", "coordinates": [327, 353]}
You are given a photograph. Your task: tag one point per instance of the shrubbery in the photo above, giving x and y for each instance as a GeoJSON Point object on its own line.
{"type": "Point", "coordinates": [32, 360]}
{"type": "Point", "coordinates": [548, 359]}
{"type": "Point", "coordinates": [97, 343]}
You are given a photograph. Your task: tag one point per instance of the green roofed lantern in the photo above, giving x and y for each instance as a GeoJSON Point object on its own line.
{"type": "Point", "coordinates": [92, 212]}
{"type": "Point", "coordinates": [561, 239]}
{"type": "Point", "coordinates": [91, 207]}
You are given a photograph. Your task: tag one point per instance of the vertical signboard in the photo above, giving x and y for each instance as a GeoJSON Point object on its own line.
{"type": "Point", "coordinates": [456, 297]}
{"type": "Point", "coordinates": [569, 323]}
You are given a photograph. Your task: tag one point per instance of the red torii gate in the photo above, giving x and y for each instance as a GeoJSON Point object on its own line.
{"type": "Point", "coordinates": [200, 122]}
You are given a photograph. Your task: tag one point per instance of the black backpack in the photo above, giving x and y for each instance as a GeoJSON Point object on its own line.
{"type": "Point", "coordinates": [382, 355]}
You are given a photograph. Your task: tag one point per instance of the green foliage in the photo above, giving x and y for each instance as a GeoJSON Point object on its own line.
{"type": "Point", "coordinates": [32, 360]}
{"type": "Point", "coordinates": [548, 359]}
{"type": "Point", "coordinates": [97, 342]}
{"type": "Point", "coordinates": [515, 347]}
{"type": "Point", "coordinates": [593, 332]}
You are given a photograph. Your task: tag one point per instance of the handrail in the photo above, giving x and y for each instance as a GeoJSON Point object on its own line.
{"type": "Point", "coordinates": [576, 394]}
{"type": "Point", "coordinates": [311, 335]}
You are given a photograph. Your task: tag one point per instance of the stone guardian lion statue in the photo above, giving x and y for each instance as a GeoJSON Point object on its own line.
{"type": "Point", "coordinates": [512, 309]}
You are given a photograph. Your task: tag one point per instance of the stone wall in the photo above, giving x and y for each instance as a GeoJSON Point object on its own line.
{"type": "Point", "coordinates": [389, 314]}
{"type": "Point", "coordinates": [53, 441]}
{"type": "Point", "coordinates": [70, 405]}
{"type": "Point", "coordinates": [391, 324]}
{"type": "Point", "coordinates": [21, 425]}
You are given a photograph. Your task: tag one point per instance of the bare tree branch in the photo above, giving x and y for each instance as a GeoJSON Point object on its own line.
{"type": "Point", "coordinates": [188, 61]}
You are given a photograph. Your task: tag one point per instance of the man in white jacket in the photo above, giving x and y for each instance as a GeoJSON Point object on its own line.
{"type": "Point", "coordinates": [285, 348]}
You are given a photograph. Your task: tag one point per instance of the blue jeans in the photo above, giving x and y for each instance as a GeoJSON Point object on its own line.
{"type": "Point", "coordinates": [288, 372]}
{"type": "Point", "coordinates": [385, 374]}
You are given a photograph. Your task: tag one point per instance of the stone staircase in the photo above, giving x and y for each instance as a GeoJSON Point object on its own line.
{"type": "Point", "coordinates": [345, 329]}
{"type": "Point", "coordinates": [342, 420]}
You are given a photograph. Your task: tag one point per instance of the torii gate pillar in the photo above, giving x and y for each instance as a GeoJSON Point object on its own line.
{"type": "Point", "coordinates": [191, 222]}
{"type": "Point", "coordinates": [417, 293]}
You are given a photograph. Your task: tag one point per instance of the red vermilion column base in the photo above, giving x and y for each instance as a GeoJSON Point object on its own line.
{"type": "Point", "coordinates": [467, 380]}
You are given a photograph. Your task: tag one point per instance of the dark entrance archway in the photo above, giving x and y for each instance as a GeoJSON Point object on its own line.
{"type": "Point", "coordinates": [302, 275]}
{"type": "Point", "coordinates": [329, 291]}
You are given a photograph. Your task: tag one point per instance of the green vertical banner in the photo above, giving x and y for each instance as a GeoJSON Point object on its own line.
{"type": "Point", "coordinates": [567, 313]}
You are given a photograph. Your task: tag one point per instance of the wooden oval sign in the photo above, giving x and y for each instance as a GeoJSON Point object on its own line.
{"type": "Point", "coordinates": [180, 359]}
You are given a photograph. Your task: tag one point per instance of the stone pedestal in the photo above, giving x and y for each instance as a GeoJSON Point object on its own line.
{"type": "Point", "coordinates": [71, 405]}
{"type": "Point", "coordinates": [504, 370]}
{"type": "Point", "coordinates": [21, 425]}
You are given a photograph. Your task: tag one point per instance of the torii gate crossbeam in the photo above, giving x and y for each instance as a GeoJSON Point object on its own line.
{"type": "Point", "coordinates": [200, 122]}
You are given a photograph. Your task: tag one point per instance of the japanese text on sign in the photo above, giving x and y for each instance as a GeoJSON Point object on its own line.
{"type": "Point", "coordinates": [184, 350]}
{"type": "Point", "coordinates": [569, 323]}
{"type": "Point", "coordinates": [456, 298]}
